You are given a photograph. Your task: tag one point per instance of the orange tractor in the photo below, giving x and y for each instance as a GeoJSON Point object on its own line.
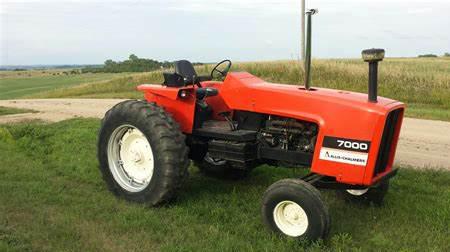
{"type": "Point", "coordinates": [229, 127]}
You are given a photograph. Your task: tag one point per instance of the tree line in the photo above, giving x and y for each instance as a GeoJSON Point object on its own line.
{"type": "Point", "coordinates": [132, 64]}
{"type": "Point", "coordinates": [430, 55]}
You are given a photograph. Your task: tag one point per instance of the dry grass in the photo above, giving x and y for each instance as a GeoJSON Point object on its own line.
{"type": "Point", "coordinates": [425, 81]}
{"type": "Point", "coordinates": [424, 84]}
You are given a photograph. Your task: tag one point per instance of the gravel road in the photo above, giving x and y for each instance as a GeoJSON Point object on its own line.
{"type": "Point", "coordinates": [423, 143]}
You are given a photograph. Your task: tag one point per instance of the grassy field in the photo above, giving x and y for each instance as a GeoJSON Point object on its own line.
{"type": "Point", "coordinates": [11, 111]}
{"type": "Point", "coordinates": [53, 199]}
{"type": "Point", "coordinates": [424, 84]}
{"type": "Point", "coordinates": [13, 85]}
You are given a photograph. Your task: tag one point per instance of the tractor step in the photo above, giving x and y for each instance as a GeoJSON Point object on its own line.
{"type": "Point", "coordinates": [222, 130]}
{"type": "Point", "coordinates": [241, 154]}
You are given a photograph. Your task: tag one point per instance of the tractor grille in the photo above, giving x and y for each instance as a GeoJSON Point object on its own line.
{"type": "Point", "coordinates": [386, 141]}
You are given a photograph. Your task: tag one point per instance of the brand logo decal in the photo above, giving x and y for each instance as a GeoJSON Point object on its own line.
{"type": "Point", "coordinates": [349, 151]}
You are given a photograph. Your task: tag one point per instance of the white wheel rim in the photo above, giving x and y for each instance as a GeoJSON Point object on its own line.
{"type": "Point", "coordinates": [357, 192]}
{"type": "Point", "coordinates": [290, 218]}
{"type": "Point", "coordinates": [130, 158]}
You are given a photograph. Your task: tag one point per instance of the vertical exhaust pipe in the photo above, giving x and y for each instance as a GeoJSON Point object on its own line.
{"type": "Point", "coordinates": [372, 56]}
{"type": "Point", "coordinates": [309, 13]}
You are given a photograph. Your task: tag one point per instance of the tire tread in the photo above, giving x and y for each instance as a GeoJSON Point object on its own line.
{"type": "Point", "coordinates": [171, 142]}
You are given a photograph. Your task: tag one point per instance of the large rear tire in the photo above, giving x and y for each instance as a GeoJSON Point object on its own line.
{"type": "Point", "coordinates": [142, 153]}
{"type": "Point", "coordinates": [294, 208]}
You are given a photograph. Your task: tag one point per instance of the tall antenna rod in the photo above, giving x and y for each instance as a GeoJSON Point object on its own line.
{"type": "Point", "coordinates": [309, 13]}
{"type": "Point", "coordinates": [302, 35]}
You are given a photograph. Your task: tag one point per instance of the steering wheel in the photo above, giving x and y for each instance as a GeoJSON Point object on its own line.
{"type": "Point", "coordinates": [223, 72]}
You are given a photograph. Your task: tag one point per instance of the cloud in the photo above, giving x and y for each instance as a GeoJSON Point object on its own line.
{"type": "Point", "coordinates": [419, 11]}
{"type": "Point", "coordinates": [88, 31]}
{"type": "Point", "coordinates": [236, 6]}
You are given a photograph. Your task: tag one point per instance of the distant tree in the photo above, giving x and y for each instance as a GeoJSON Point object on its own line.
{"type": "Point", "coordinates": [133, 57]}
{"type": "Point", "coordinates": [446, 54]}
{"type": "Point", "coordinates": [132, 64]}
{"type": "Point", "coordinates": [428, 55]}
{"type": "Point", "coordinates": [109, 62]}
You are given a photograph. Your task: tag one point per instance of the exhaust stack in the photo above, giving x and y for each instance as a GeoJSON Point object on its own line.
{"type": "Point", "coordinates": [309, 13]}
{"type": "Point", "coordinates": [373, 56]}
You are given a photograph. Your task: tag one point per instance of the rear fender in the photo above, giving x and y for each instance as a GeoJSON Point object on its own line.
{"type": "Point", "coordinates": [181, 109]}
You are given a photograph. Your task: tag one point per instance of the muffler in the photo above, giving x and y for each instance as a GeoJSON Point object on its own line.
{"type": "Point", "coordinates": [373, 56]}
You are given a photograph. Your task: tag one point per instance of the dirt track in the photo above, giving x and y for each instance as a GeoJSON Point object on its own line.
{"type": "Point", "coordinates": [423, 143]}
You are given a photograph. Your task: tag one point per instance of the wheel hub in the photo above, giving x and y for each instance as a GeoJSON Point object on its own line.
{"type": "Point", "coordinates": [137, 155]}
{"type": "Point", "coordinates": [290, 218]}
{"type": "Point", "coordinates": [292, 213]}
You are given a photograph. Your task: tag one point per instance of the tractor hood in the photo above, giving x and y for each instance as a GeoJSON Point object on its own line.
{"type": "Point", "coordinates": [339, 115]}
{"type": "Point", "coordinates": [247, 92]}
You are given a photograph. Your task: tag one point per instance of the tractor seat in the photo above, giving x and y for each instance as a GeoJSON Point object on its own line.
{"type": "Point", "coordinates": [185, 69]}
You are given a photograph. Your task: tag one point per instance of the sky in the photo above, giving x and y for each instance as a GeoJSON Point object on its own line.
{"type": "Point", "coordinates": [89, 32]}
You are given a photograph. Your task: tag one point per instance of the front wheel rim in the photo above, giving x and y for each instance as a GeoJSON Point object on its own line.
{"type": "Point", "coordinates": [357, 192]}
{"type": "Point", "coordinates": [290, 218]}
{"type": "Point", "coordinates": [130, 158]}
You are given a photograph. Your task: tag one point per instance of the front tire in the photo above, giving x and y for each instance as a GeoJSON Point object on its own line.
{"type": "Point", "coordinates": [294, 208]}
{"type": "Point", "coordinates": [142, 153]}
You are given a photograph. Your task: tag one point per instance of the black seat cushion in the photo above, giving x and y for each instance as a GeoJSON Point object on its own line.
{"type": "Point", "coordinates": [173, 80]}
{"type": "Point", "coordinates": [186, 69]}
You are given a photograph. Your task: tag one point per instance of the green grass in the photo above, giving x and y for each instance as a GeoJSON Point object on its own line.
{"type": "Point", "coordinates": [121, 87]}
{"type": "Point", "coordinates": [423, 84]}
{"type": "Point", "coordinates": [53, 199]}
{"type": "Point", "coordinates": [19, 86]}
{"type": "Point", "coordinates": [11, 111]}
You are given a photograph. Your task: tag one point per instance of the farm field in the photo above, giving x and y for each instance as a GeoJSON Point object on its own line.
{"type": "Point", "coordinates": [54, 199]}
{"type": "Point", "coordinates": [23, 83]}
{"type": "Point", "coordinates": [11, 111]}
{"type": "Point", "coordinates": [423, 84]}
{"type": "Point", "coordinates": [271, 127]}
